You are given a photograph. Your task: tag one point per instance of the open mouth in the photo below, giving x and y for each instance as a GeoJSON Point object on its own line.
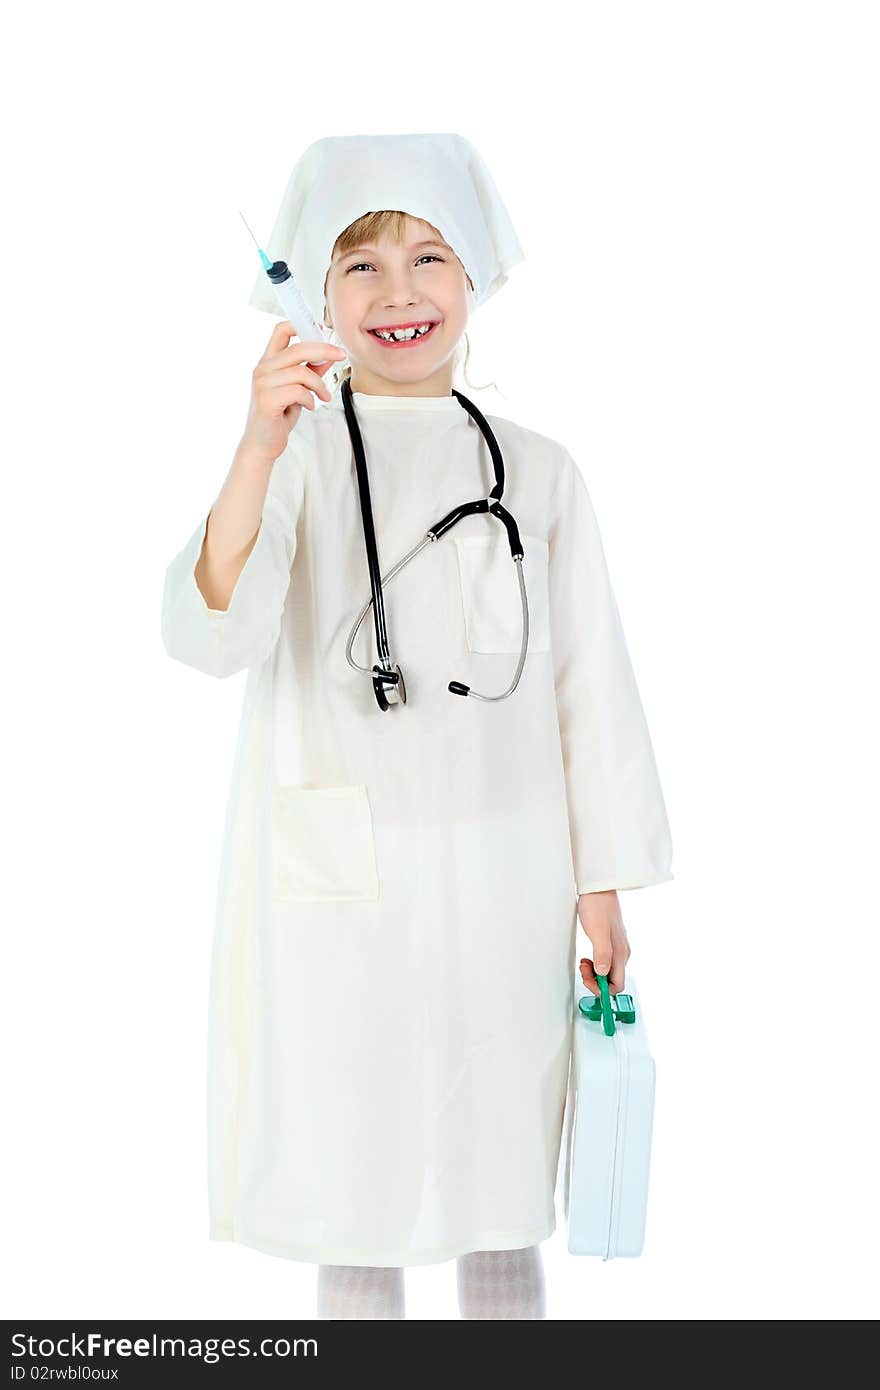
{"type": "Point", "coordinates": [410, 337]}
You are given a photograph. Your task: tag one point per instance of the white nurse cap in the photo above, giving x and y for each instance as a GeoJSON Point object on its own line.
{"type": "Point", "coordinates": [439, 179]}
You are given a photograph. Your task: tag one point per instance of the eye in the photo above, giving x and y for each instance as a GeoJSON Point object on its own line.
{"type": "Point", "coordinates": [428, 256]}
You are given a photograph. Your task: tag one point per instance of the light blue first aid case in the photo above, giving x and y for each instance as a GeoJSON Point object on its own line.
{"type": "Point", "coordinates": [609, 1121]}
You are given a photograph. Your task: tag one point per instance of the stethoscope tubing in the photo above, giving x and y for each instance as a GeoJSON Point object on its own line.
{"type": "Point", "coordinates": [386, 675]}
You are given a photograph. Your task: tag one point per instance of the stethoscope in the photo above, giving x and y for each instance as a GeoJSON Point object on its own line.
{"type": "Point", "coordinates": [388, 683]}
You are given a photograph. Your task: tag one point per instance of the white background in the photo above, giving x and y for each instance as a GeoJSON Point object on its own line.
{"type": "Point", "coordinates": [695, 188]}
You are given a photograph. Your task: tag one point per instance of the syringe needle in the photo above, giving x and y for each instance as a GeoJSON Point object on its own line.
{"type": "Point", "coordinates": [242, 216]}
{"type": "Point", "coordinates": [267, 264]}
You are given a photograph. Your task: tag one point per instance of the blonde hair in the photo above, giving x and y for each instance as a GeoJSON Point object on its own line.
{"type": "Point", "coordinates": [372, 226]}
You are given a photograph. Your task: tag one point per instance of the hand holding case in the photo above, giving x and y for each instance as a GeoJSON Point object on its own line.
{"type": "Point", "coordinates": [610, 1113]}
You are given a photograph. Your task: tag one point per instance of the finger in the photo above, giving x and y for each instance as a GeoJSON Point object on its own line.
{"type": "Point", "coordinates": [280, 336]}
{"type": "Point", "coordinates": [617, 978]}
{"type": "Point", "coordinates": [312, 352]}
{"type": "Point", "coordinates": [279, 397]}
{"type": "Point", "coordinates": [301, 351]}
{"type": "Point", "coordinates": [588, 975]}
{"type": "Point", "coordinates": [600, 938]}
{"type": "Point", "coordinates": [301, 375]}
{"type": "Point", "coordinates": [323, 367]}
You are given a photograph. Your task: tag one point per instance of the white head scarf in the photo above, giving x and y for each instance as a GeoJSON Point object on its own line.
{"type": "Point", "coordinates": [439, 179]}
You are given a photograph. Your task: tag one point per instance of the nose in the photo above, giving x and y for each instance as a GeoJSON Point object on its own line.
{"type": "Point", "coordinates": [400, 292]}
{"type": "Point", "coordinates": [406, 297]}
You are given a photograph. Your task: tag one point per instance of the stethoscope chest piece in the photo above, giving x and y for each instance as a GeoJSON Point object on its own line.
{"type": "Point", "coordinates": [389, 687]}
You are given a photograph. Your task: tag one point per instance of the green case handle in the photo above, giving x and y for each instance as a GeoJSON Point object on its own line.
{"type": "Point", "coordinates": [605, 1003]}
{"type": "Point", "coordinates": [623, 1008]}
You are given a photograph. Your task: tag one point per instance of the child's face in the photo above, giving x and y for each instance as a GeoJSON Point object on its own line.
{"type": "Point", "coordinates": [389, 283]}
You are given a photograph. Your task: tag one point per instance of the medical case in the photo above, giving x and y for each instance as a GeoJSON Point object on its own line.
{"type": "Point", "coordinates": [609, 1120]}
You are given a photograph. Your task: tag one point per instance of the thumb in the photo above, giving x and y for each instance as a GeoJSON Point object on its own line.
{"type": "Point", "coordinates": [602, 955]}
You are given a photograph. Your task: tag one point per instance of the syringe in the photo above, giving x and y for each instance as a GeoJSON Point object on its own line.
{"type": "Point", "coordinates": [291, 301]}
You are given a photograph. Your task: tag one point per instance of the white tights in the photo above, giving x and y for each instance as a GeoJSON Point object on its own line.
{"type": "Point", "coordinates": [492, 1284]}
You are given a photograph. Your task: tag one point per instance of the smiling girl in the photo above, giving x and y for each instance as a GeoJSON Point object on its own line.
{"type": "Point", "coordinates": [391, 988]}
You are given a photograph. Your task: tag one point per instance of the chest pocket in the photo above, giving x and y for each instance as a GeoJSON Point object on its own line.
{"type": "Point", "coordinates": [490, 593]}
{"type": "Point", "coordinates": [324, 846]}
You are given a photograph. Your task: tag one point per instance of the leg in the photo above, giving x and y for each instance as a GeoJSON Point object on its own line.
{"type": "Point", "coordinates": [501, 1284]}
{"type": "Point", "coordinates": [360, 1291]}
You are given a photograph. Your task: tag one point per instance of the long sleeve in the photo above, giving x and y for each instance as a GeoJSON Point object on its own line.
{"type": "Point", "coordinates": [223, 641]}
{"type": "Point", "coordinates": [620, 833]}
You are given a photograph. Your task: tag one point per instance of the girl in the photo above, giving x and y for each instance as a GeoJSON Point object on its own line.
{"type": "Point", "coordinates": [392, 975]}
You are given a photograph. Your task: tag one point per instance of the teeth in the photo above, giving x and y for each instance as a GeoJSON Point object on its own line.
{"type": "Point", "coordinates": [402, 335]}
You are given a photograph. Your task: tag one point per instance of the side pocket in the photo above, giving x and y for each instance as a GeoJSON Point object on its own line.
{"type": "Point", "coordinates": [324, 846]}
{"type": "Point", "coordinates": [490, 593]}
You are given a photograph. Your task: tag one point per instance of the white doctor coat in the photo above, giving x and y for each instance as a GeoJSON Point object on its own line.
{"type": "Point", "coordinates": [391, 985]}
